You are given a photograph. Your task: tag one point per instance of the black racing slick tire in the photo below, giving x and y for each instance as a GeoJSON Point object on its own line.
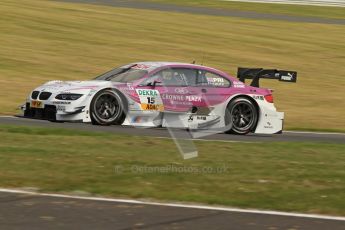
{"type": "Point", "coordinates": [107, 108]}
{"type": "Point", "coordinates": [244, 115]}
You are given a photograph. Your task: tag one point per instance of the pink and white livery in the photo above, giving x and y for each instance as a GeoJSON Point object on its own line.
{"type": "Point", "coordinates": [167, 94]}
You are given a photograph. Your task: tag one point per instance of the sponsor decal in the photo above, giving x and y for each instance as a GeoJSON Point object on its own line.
{"type": "Point", "coordinates": [150, 99]}
{"type": "Point", "coordinates": [193, 98]}
{"type": "Point", "coordinates": [181, 90]}
{"type": "Point", "coordinates": [199, 118]}
{"type": "Point", "coordinates": [203, 118]}
{"type": "Point", "coordinates": [173, 97]}
{"type": "Point", "coordinates": [61, 102]}
{"type": "Point", "coordinates": [181, 103]}
{"type": "Point", "coordinates": [215, 81]}
{"type": "Point", "coordinates": [61, 108]}
{"type": "Point", "coordinates": [130, 86]}
{"type": "Point", "coordinates": [287, 77]}
{"type": "Point", "coordinates": [126, 88]}
{"type": "Point", "coordinates": [147, 92]}
{"type": "Point", "coordinates": [258, 97]}
{"type": "Point", "coordinates": [152, 107]}
{"type": "Point", "coordinates": [268, 125]}
{"type": "Point", "coordinates": [141, 66]}
{"type": "Point", "coordinates": [238, 84]}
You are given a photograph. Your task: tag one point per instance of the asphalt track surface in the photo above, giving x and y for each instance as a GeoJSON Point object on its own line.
{"type": "Point", "coordinates": [27, 211]}
{"type": "Point", "coordinates": [207, 11]}
{"type": "Point", "coordinates": [287, 136]}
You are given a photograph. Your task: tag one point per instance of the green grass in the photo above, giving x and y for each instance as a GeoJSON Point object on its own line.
{"type": "Point", "coordinates": [44, 40]}
{"type": "Point", "coordinates": [302, 177]}
{"type": "Point", "coordinates": [288, 9]}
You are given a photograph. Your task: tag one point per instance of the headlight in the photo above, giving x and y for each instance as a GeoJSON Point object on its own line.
{"type": "Point", "coordinates": [68, 96]}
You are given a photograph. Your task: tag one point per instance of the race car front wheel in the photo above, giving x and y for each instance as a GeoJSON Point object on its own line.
{"type": "Point", "coordinates": [244, 116]}
{"type": "Point", "coordinates": [107, 108]}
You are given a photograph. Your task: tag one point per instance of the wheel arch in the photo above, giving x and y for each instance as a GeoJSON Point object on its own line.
{"type": "Point", "coordinates": [251, 100]}
{"type": "Point", "coordinates": [122, 95]}
{"type": "Point", "coordinates": [124, 101]}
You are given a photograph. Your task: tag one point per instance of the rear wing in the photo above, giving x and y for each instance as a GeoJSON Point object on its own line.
{"type": "Point", "coordinates": [257, 73]}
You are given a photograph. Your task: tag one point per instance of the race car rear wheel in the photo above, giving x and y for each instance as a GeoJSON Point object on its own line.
{"type": "Point", "coordinates": [244, 116]}
{"type": "Point", "coordinates": [107, 108]}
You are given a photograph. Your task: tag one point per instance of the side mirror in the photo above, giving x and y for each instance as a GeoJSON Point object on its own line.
{"type": "Point", "coordinates": [153, 83]}
{"type": "Point", "coordinates": [156, 82]}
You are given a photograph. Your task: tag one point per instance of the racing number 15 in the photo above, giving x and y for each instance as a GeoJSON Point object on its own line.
{"type": "Point", "coordinates": [150, 100]}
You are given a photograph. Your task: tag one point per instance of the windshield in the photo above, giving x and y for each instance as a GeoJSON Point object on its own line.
{"type": "Point", "coordinates": [123, 75]}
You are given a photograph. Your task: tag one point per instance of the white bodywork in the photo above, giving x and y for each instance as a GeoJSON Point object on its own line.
{"type": "Point", "coordinates": [77, 110]}
{"type": "Point", "coordinates": [270, 121]}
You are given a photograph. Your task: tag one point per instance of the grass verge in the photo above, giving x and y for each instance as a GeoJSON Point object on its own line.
{"type": "Point", "coordinates": [44, 40]}
{"type": "Point", "coordinates": [301, 177]}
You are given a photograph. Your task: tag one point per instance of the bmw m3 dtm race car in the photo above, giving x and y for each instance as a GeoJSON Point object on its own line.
{"type": "Point", "coordinates": [167, 94]}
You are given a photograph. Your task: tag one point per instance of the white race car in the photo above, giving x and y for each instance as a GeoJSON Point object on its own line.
{"type": "Point", "coordinates": [167, 94]}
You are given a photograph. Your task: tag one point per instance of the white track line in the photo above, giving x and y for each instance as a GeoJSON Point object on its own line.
{"type": "Point", "coordinates": [4, 116]}
{"type": "Point", "coordinates": [317, 133]}
{"type": "Point", "coordinates": [336, 3]}
{"type": "Point", "coordinates": [177, 205]}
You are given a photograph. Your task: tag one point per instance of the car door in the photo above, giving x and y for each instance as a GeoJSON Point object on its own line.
{"type": "Point", "coordinates": [173, 87]}
{"type": "Point", "coordinates": [211, 89]}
